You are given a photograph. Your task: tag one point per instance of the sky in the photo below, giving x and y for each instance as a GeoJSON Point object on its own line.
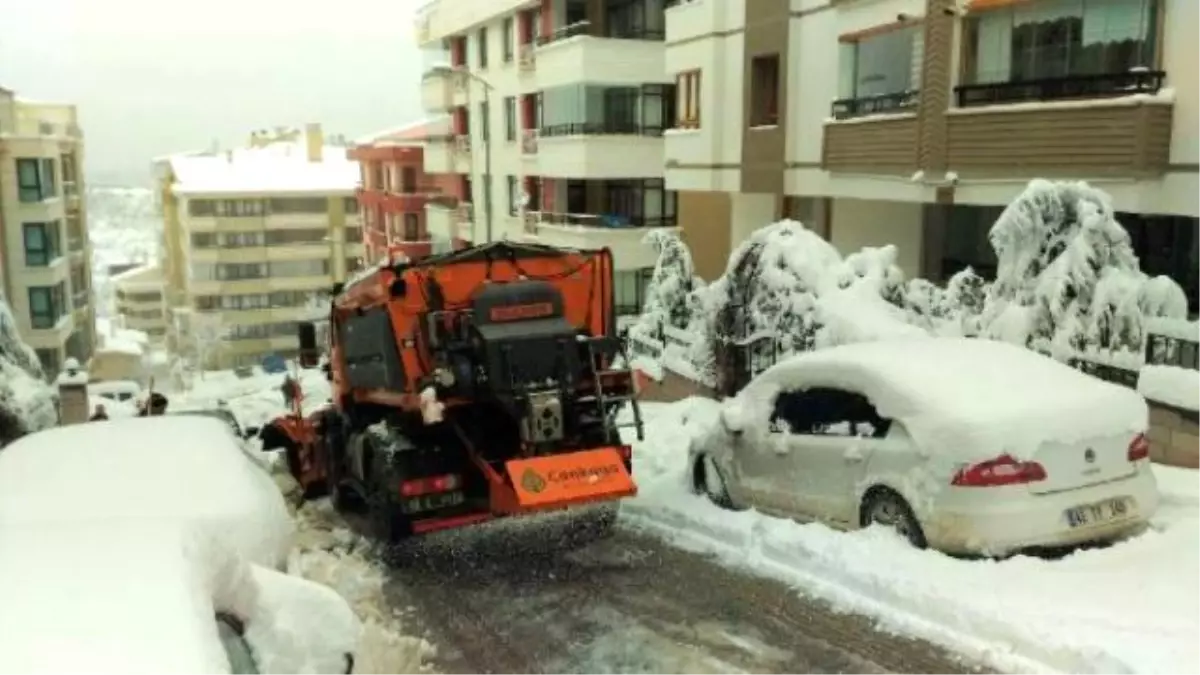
{"type": "Point", "coordinates": [153, 77]}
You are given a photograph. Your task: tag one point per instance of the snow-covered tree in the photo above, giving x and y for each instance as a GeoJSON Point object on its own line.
{"type": "Point", "coordinates": [1067, 280]}
{"type": "Point", "coordinates": [949, 311]}
{"type": "Point", "coordinates": [671, 284]}
{"type": "Point", "coordinates": [27, 402]}
{"type": "Point", "coordinates": [788, 290]}
{"type": "Point", "coordinates": [202, 337]}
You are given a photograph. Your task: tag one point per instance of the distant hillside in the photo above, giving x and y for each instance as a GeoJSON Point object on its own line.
{"type": "Point", "coordinates": [124, 225]}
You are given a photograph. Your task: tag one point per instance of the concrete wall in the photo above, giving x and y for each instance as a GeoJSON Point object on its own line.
{"type": "Point", "coordinates": [857, 223]}
{"type": "Point", "coordinates": [1174, 438]}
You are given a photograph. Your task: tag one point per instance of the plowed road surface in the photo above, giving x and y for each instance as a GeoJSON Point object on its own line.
{"type": "Point", "coordinates": [496, 599]}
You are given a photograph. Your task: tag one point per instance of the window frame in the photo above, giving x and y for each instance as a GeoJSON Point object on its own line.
{"type": "Point", "coordinates": [412, 227]}
{"type": "Point", "coordinates": [688, 89]}
{"type": "Point", "coordinates": [509, 39]}
{"type": "Point", "coordinates": [510, 118]}
{"type": "Point", "coordinates": [765, 73]}
{"type": "Point", "coordinates": [49, 250]}
{"type": "Point", "coordinates": [802, 399]}
{"type": "Point", "coordinates": [29, 185]}
{"type": "Point", "coordinates": [481, 41]}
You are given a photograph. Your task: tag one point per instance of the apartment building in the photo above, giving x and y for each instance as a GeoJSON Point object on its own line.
{"type": "Point", "coordinates": [140, 302]}
{"type": "Point", "coordinates": [395, 190]}
{"type": "Point", "coordinates": [556, 112]}
{"type": "Point", "coordinates": [914, 121]}
{"type": "Point", "coordinates": [45, 256]}
{"type": "Point", "coordinates": [252, 235]}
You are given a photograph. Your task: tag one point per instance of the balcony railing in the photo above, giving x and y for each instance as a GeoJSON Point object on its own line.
{"type": "Point", "coordinates": [1061, 88]}
{"type": "Point", "coordinates": [609, 221]}
{"type": "Point", "coordinates": [529, 138]}
{"type": "Point", "coordinates": [598, 129]}
{"type": "Point", "coordinates": [585, 28]}
{"type": "Point", "coordinates": [847, 108]}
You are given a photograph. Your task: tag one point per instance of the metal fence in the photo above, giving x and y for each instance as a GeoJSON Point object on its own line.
{"type": "Point", "coordinates": [741, 359]}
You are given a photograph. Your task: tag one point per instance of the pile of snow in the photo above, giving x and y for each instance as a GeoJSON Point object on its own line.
{"type": "Point", "coordinates": [27, 402]}
{"type": "Point", "coordinates": [253, 400]}
{"type": "Point", "coordinates": [330, 554]}
{"type": "Point", "coordinates": [275, 168]}
{"type": "Point", "coordinates": [1174, 386]}
{"type": "Point", "coordinates": [1133, 607]}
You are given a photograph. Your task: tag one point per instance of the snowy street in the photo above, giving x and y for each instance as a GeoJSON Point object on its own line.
{"type": "Point", "coordinates": [630, 603]}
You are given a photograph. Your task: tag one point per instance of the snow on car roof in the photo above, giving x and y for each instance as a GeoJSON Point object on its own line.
{"type": "Point", "coordinates": [121, 599]}
{"type": "Point", "coordinates": [974, 398]}
{"type": "Point", "coordinates": [190, 470]}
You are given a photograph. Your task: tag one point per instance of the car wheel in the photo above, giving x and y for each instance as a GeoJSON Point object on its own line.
{"type": "Point", "coordinates": [884, 507]}
{"type": "Point", "coordinates": [709, 480]}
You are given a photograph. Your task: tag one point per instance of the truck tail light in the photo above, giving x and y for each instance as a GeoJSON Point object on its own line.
{"type": "Point", "coordinates": [423, 486]}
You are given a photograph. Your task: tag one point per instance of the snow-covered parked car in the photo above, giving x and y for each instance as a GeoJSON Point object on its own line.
{"type": "Point", "coordinates": [965, 445]}
{"type": "Point", "coordinates": [155, 544]}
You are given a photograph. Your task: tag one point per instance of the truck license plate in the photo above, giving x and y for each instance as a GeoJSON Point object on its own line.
{"type": "Point", "coordinates": [1100, 512]}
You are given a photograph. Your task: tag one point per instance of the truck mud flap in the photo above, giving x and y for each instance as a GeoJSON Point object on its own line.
{"type": "Point", "coordinates": [556, 481]}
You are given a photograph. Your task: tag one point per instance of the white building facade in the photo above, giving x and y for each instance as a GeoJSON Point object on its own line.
{"type": "Point", "coordinates": [571, 99]}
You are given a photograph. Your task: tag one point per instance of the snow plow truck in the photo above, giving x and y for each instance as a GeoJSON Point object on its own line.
{"type": "Point", "coordinates": [467, 386]}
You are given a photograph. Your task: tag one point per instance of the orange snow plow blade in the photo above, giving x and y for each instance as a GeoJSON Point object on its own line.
{"type": "Point", "coordinates": [563, 480]}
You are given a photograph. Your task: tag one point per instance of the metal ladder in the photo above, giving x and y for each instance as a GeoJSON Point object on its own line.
{"type": "Point", "coordinates": [606, 349]}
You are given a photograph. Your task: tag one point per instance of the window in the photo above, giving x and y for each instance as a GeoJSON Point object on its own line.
{"type": "Point", "coordinates": [1061, 38]}
{"type": "Point", "coordinates": [249, 331]}
{"type": "Point", "coordinates": [764, 90]}
{"type": "Point", "coordinates": [514, 196]}
{"type": "Point", "coordinates": [354, 235]}
{"type": "Point", "coordinates": [240, 208]}
{"type": "Point", "coordinates": [235, 271]}
{"type": "Point", "coordinates": [241, 239]}
{"type": "Point", "coordinates": [629, 292]}
{"type": "Point", "coordinates": [510, 118]}
{"type": "Point", "coordinates": [299, 268]}
{"type": "Point", "coordinates": [49, 183]}
{"type": "Point", "coordinates": [201, 208]}
{"type": "Point", "coordinates": [42, 245]}
{"type": "Point", "coordinates": [687, 97]}
{"type": "Point", "coordinates": [298, 205]}
{"type": "Point", "coordinates": [305, 236]}
{"type": "Point", "coordinates": [484, 122]}
{"type": "Point", "coordinates": [884, 64]}
{"type": "Point", "coordinates": [482, 44]}
{"type": "Point", "coordinates": [408, 180]}
{"type": "Point", "coordinates": [827, 412]}
{"type": "Point", "coordinates": [350, 204]}
{"type": "Point", "coordinates": [35, 179]}
{"type": "Point", "coordinates": [412, 227]}
{"type": "Point", "coordinates": [509, 39]}
{"type": "Point", "coordinates": [46, 305]}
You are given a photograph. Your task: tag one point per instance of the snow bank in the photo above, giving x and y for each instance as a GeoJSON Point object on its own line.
{"type": "Point", "coordinates": [334, 556]}
{"type": "Point", "coordinates": [1133, 607]}
{"type": "Point", "coordinates": [1171, 385]}
{"type": "Point", "coordinates": [191, 469]}
{"type": "Point", "coordinates": [254, 400]}
{"type": "Point", "coordinates": [962, 398]}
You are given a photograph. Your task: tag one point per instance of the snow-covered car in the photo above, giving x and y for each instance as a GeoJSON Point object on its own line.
{"type": "Point", "coordinates": [155, 544]}
{"type": "Point", "coordinates": [965, 445]}
{"type": "Point", "coordinates": [139, 597]}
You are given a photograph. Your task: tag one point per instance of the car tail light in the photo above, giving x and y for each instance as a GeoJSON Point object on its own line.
{"type": "Point", "coordinates": [1139, 448]}
{"type": "Point", "coordinates": [1003, 470]}
{"type": "Point", "coordinates": [424, 486]}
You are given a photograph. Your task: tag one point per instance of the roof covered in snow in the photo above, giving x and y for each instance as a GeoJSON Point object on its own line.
{"type": "Point", "coordinates": [973, 398]}
{"type": "Point", "coordinates": [411, 131]}
{"type": "Point", "coordinates": [277, 168]}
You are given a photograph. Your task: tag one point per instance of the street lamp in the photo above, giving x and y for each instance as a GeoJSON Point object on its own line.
{"type": "Point", "coordinates": [487, 144]}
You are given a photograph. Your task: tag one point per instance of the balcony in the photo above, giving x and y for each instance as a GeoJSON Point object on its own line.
{"type": "Point", "coordinates": [691, 19]}
{"type": "Point", "coordinates": [599, 151]}
{"type": "Point", "coordinates": [442, 90]}
{"type": "Point", "coordinates": [527, 58]}
{"type": "Point", "coordinates": [529, 144]}
{"type": "Point", "coordinates": [576, 54]}
{"type": "Point", "coordinates": [440, 19]}
{"type": "Point", "coordinates": [904, 102]}
{"type": "Point", "coordinates": [394, 202]}
{"type": "Point", "coordinates": [1097, 126]}
{"type": "Point", "coordinates": [448, 153]}
{"type": "Point", "coordinates": [879, 144]}
{"type": "Point", "coordinates": [587, 231]}
{"type": "Point", "coordinates": [441, 219]}
{"type": "Point", "coordinates": [246, 254]}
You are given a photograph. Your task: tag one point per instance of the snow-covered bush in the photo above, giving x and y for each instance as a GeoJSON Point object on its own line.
{"type": "Point", "coordinates": [787, 290]}
{"type": "Point", "coordinates": [953, 310]}
{"type": "Point", "coordinates": [671, 284]}
{"type": "Point", "coordinates": [1067, 280]}
{"type": "Point", "coordinates": [27, 402]}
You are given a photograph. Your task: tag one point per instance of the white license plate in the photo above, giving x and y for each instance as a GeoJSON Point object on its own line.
{"type": "Point", "coordinates": [1100, 512]}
